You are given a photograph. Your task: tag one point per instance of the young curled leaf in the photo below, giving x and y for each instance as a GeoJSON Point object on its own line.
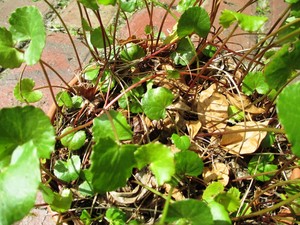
{"type": "Point", "coordinates": [24, 92]}
{"type": "Point", "coordinates": [246, 22]}
{"type": "Point", "coordinates": [74, 140]}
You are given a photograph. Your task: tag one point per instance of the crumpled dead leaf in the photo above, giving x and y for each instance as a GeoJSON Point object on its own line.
{"type": "Point", "coordinates": [193, 128]}
{"type": "Point", "coordinates": [212, 107]}
{"type": "Point", "coordinates": [243, 142]}
{"type": "Point", "coordinates": [243, 102]}
{"type": "Point", "coordinates": [219, 172]}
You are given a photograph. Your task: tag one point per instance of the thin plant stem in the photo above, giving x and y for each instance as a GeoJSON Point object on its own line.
{"type": "Point", "coordinates": [68, 32]}
{"type": "Point", "coordinates": [166, 207]}
{"type": "Point", "coordinates": [269, 209]}
{"type": "Point", "coordinates": [49, 83]}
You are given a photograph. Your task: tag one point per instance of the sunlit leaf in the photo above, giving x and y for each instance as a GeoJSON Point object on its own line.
{"type": "Point", "coordinates": [188, 163]}
{"type": "Point", "coordinates": [262, 164]}
{"type": "Point", "coordinates": [255, 81]}
{"type": "Point", "coordinates": [235, 114]}
{"type": "Point", "coordinates": [63, 98]}
{"type": "Point", "coordinates": [155, 101]}
{"type": "Point", "coordinates": [246, 22]}
{"type": "Point", "coordinates": [128, 5]}
{"type": "Point", "coordinates": [184, 5]}
{"type": "Point", "coordinates": [27, 24]}
{"type": "Point", "coordinates": [10, 56]}
{"type": "Point", "coordinates": [190, 211]}
{"type": "Point", "coordinates": [62, 202]}
{"type": "Point", "coordinates": [291, 1]}
{"type": "Point", "coordinates": [132, 52]}
{"type": "Point", "coordinates": [160, 159]}
{"type": "Point", "coordinates": [91, 4]}
{"type": "Point", "coordinates": [289, 114]}
{"type": "Point", "coordinates": [24, 92]}
{"type": "Point", "coordinates": [212, 190]}
{"type": "Point", "coordinates": [74, 140]}
{"type": "Point", "coordinates": [115, 215]}
{"type": "Point", "coordinates": [20, 125]}
{"type": "Point", "coordinates": [184, 52]}
{"type": "Point", "coordinates": [230, 199]}
{"type": "Point", "coordinates": [107, 2]}
{"type": "Point", "coordinates": [112, 124]}
{"type": "Point", "coordinates": [181, 142]}
{"type": "Point", "coordinates": [85, 217]}
{"type": "Point", "coordinates": [194, 20]}
{"type": "Point", "coordinates": [91, 72]}
{"type": "Point", "coordinates": [19, 184]}
{"type": "Point", "coordinates": [282, 64]}
{"type": "Point", "coordinates": [111, 165]}
{"type": "Point", "coordinates": [219, 213]}
{"type": "Point", "coordinates": [69, 170]}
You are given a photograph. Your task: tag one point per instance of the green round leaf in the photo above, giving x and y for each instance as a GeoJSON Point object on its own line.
{"type": "Point", "coordinates": [219, 213]}
{"type": "Point", "coordinates": [128, 5]}
{"type": "Point", "coordinates": [63, 98]}
{"type": "Point", "coordinates": [27, 24]}
{"type": "Point", "coordinates": [74, 140]}
{"type": "Point", "coordinates": [184, 53]}
{"type": "Point", "coordinates": [20, 125]}
{"type": "Point", "coordinates": [107, 2]}
{"type": "Point", "coordinates": [181, 142]}
{"type": "Point", "coordinates": [111, 165]}
{"type": "Point", "coordinates": [212, 191]}
{"type": "Point", "coordinates": [19, 184]}
{"type": "Point", "coordinates": [261, 164]}
{"type": "Point", "coordinates": [282, 64]}
{"type": "Point", "coordinates": [191, 211]}
{"type": "Point", "coordinates": [114, 214]}
{"type": "Point", "coordinates": [91, 4]}
{"type": "Point", "coordinates": [159, 157]}
{"type": "Point", "coordinates": [98, 37]}
{"type": "Point", "coordinates": [230, 200]}
{"type": "Point", "coordinates": [91, 72]}
{"type": "Point", "coordinates": [10, 57]}
{"type": "Point", "coordinates": [69, 170]}
{"type": "Point", "coordinates": [184, 5]}
{"type": "Point", "coordinates": [246, 22]}
{"type": "Point", "coordinates": [255, 81]}
{"type": "Point", "coordinates": [132, 52]}
{"type": "Point", "coordinates": [113, 125]}
{"type": "Point", "coordinates": [24, 92]}
{"type": "Point", "coordinates": [62, 202]}
{"type": "Point", "coordinates": [194, 20]}
{"type": "Point", "coordinates": [155, 101]}
{"type": "Point", "coordinates": [288, 112]}
{"type": "Point", "coordinates": [188, 163]}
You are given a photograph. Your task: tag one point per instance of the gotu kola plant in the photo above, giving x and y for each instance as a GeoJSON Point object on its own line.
{"type": "Point", "coordinates": [126, 135]}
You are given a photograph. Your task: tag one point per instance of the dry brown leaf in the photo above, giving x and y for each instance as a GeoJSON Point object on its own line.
{"type": "Point", "coordinates": [243, 102]}
{"type": "Point", "coordinates": [243, 142]}
{"type": "Point", "coordinates": [193, 128]}
{"type": "Point", "coordinates": [176, 194]}
{"type": "Point", "coordinates": [219, 172]}
{"type": "Point", "coordinates": [212, 107]}
{"type": "Point", "coordinates": [295, 174]}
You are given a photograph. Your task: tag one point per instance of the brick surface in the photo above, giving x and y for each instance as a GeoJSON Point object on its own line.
{"type": "Point", "coordinates": [71, 16]}
{"type": "Point", "coordinates": [140, 19]}
{"type": "Point", "coordinates": [60, 55]}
